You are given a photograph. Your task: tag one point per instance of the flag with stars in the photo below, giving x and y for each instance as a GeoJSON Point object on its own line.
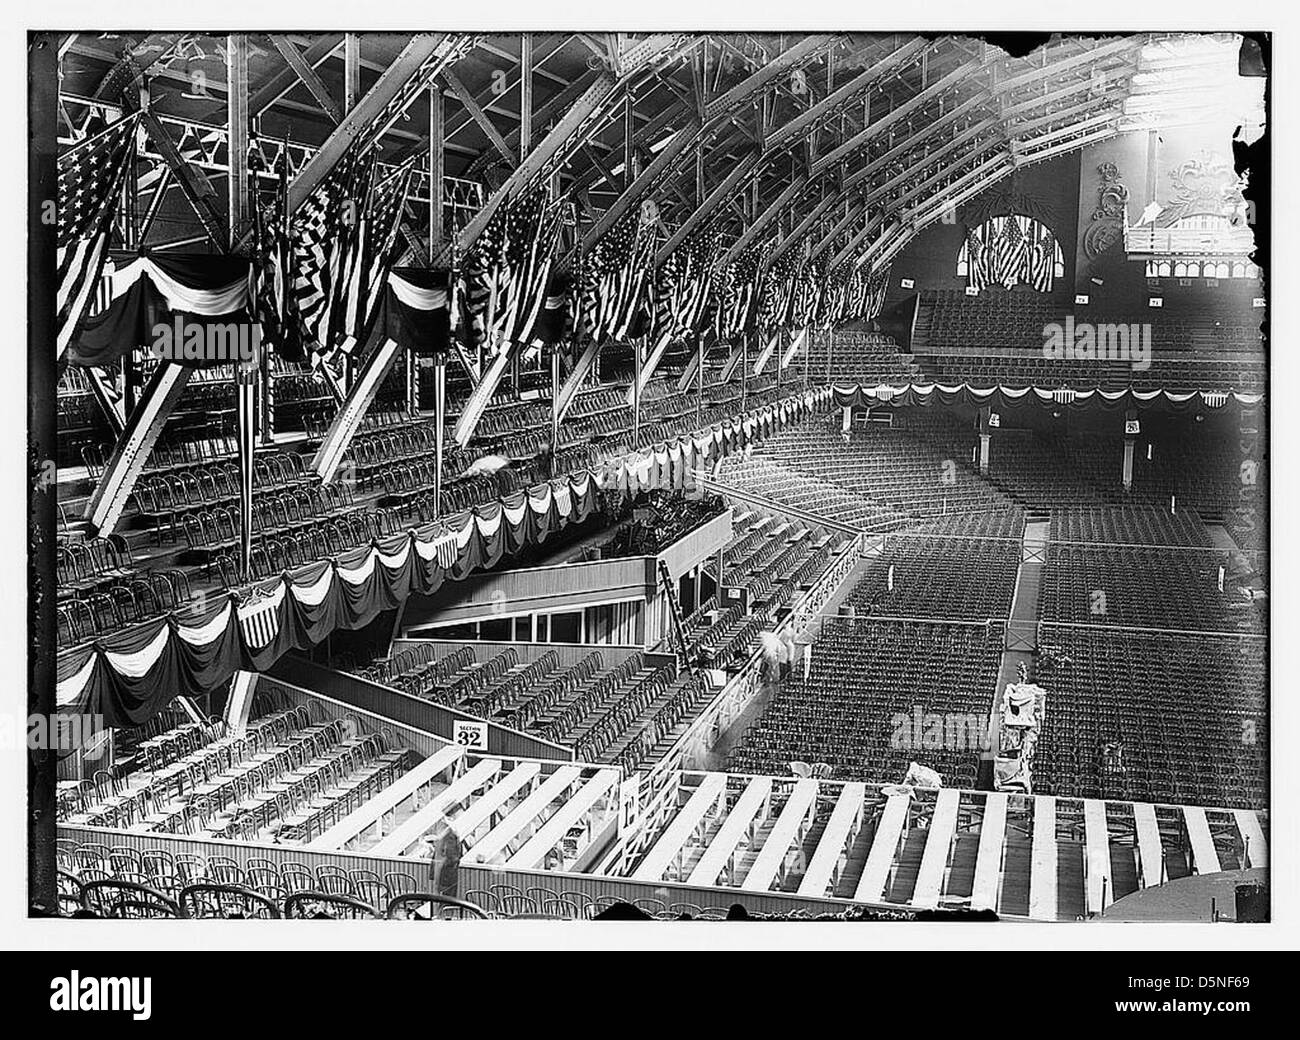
{"type": "Point", "coordinates": [682, 286]}
{"type": "Point", "coordinates": [507, 273]}
{"type": "Point", "coordinates": [779, 292]}
{"type": "Point", "coordinates": [741, 291]}
{"type": "Point", "coordinates": [616, 277]}
{"type": "Point", "coordinates": [324, 234]}
{"type": "Point", "coordinates": [1010, 252]}
{"type": "Point", "coordinates": [91, 176]}
{"type": "Point", "coordinates": [373, 254]}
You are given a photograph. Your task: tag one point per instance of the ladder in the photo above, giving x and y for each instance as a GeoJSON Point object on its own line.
{"type": "Point", "coordinates": [679, 631]}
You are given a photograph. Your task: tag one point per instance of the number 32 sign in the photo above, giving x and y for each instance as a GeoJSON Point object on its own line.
{"type": "Point", "coordinates": [470, 735]}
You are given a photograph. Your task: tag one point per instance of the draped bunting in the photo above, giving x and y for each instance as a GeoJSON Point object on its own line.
{"type": "Point", "coordinates": [129, 676]}
{"type": "Point", "coordinates": [199, 288]}
{"type": "Point", "coordinates": [417, 310]}
{"type": "Point", "coordinates": [859, 396]}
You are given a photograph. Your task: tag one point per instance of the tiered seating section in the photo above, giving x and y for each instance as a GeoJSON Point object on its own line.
{"type": "Point", "coordinates": [863, 674]}
{"type": "Point", "coordinates": [607, 713]}
{"type": "Point", "coordinates": [766, 566]}
{"type": "Point", "coordinates": [896, 467]}
{"type": "Point", "coordinates": [857, 356]}
{"type": "Point", "coordinates": [997, 338]}
{"type": "Point", "coordinates": [287, 778]}
{"type": "Point", "coordinates": [182, 520]}
{"type": "Point", "coordinates": [780, 484]}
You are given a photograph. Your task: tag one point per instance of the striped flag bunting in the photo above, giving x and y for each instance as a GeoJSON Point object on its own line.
{"type": "Point", "coordinates": [1010, 252]}
{"type": "Point", "coordinates": [741, 290]}
{"type": "Point", "coordinates": [616, 277]}
{"type": "Point", "coordinates": [324, 234]}
{"type": "Point", "coordinates": [779, 292]}
{"type": "Point", "coordinates": [91, 176]}
{"type": "Point", "coordinates": [373, 255]}
{"type": "Point", "coordinates": [682, 287]}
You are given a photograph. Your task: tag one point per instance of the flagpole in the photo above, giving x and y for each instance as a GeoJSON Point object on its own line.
{"type": "Point", "coordinates": [246, 374]}
{"type": "Point", "coordinates": [636, 393]}
{"type": "Point", "coordinates": [699, 381]}
{"type": "Point", "coordinates": [439, 424]}
{"type": "Point", "coordinates": [555, 410]}
{"type": "Point", "coordinates": [744, 371]}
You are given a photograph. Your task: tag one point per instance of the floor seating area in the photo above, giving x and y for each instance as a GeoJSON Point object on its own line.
{"type": "Point", "coordinates": [865, 673]}
{"type": "Point", "coordinates": [1188, 714]}
{"type": "Point", "coordinates": [607, 713]}
{"type": "Point", "coordinates": [961, 566]}
{"type": "Point", "coordinates": [1158, 571]}
{"type": "Point", "coordinates": [287, 777]}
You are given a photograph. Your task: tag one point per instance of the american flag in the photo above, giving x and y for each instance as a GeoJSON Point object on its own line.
{"type": "Point", "coordinates": [506, 275]}
{"type": "Point", "coordinates": [91, 175]}
{"type": "Point", "coordinates": [835, 298]}
{"type": "Point", "coordinates": [270, 271]}
{"type": "Point", "coordinates": [616, 276]}
{"type": "Point", "coordinates": [859, 292]}
{"type": "Point", "coordinates": [373, 254]}
{"type": "Point", "coordinates": [1042, 257]}
{"type": "Point", "coordinates": [683, 286]}
{"type": "Point", "coordinates": [779, 294]}
{"type": "Point", "coordinates": [741, 291]}
{"type": "Point", "coordinates": [809, 285]}
{"type": "Point", "coordinates": [1010, 254]}
{"type": "Point", "coordinates": [323, 234]}
{"type": "Point", "coordinates": [876, 294]}
{"type": "Point", "coordinates": [978, 253]}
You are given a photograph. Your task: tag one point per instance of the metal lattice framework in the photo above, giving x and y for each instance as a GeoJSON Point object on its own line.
{"type": "Point", "coordinates": [842, 145]}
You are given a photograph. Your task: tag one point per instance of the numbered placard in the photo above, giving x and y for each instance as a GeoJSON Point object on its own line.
{"type": "Point", "coordinates": [472, 736]}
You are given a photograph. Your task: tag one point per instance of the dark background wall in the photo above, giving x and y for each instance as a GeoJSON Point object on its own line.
{"type": "Point", "coordinates": [1047, 191]}
{"type": "Point", "coordinates": [1063, 193]}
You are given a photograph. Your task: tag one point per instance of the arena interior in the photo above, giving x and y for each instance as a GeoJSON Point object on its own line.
{"type": "Point", "coordinates": [825, 474]}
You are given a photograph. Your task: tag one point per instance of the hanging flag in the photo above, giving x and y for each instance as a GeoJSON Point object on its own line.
{"type": "Point", "coordinates": [809, 286]}
{"type": "Point", "coordinates": [91, 175]}
{"type": "Point", "coordinates": [532, 237]}
{"type": "Point", "coordinates": [1010, 253]}
{"type": "Point", "coordinates": [324, 234]}
{"type": "Point", "coordinates": [779, 292]}
{"type": "Point", "coordinates": [1042, 257]}
{"type": "Point", "coordinates": [682, 287]}
{"type": "Point", "coordinates": [503, 282]}
{"type": "Point", "coordinates": [741, 290]}
{"type": "Point", "coordinates": [270, 272]}
{"type": "Point", "coordinates": [616, 275]}
{"type": "Point", "coordinates": [373, 254]}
